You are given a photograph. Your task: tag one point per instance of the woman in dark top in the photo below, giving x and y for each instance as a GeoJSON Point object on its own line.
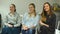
{"type": "Point", "coordinates": [48, 20]}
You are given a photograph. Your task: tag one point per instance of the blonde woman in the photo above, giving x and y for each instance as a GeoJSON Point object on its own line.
{"type": "Point", "coordinates": [30, 20]}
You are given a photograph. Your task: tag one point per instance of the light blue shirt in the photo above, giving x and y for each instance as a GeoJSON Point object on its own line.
{"type": "Point", "coordinates": [29, 21]}
{"type": "Point", "coordinates": [12, 18]}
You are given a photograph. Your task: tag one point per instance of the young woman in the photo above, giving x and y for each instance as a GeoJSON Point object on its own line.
{"type": "Point", "coordinates": [48, 20]}
{"type": "Point", "coordinates": [12, 22]}
{"type": "Point", "coordinates": [30, 20]}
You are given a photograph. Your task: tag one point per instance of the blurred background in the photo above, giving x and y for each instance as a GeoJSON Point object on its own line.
{"type": "Point", "coordinates": [22, 7]}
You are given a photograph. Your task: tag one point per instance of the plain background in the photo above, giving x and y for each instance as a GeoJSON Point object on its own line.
{"type": "Point", "coordinates": [22, 5]}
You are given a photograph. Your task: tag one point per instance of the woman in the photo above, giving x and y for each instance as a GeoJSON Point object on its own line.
{"type": "Point", "coordinates": [48, 20]}
{"type": "Point", "coordinates": [12, 22]}
{"type": "Point", "coordinates": [30, 20]}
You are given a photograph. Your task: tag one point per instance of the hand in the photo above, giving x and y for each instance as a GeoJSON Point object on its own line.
{"type": "Point", "coordinates": [25, 27]}
{"type": "Point", "coordinates": [10, 25]}
{"type": "Point", "coordinates": [32, 26]}
{"type": "Point", "coordinates": [47, 25]}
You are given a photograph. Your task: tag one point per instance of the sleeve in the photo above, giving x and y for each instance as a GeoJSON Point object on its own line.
{"type": "Point", "coordinates": [6, 21]}
{"type": "Point", "coordinates": [37, 20]}
{"type": "Point", "coordinates": [53, 23]}
{"type": "Point", "coordinates": [23, 19]}
{"type": "Point", "coordinates": [18, 21]}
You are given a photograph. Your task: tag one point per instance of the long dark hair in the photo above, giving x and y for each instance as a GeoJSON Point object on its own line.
{"type": "Point", "coordinates": [44, 13]}
{"type": "Point", "coordinates": [34, 8]}
{"type": "Point", "coordinates": [14, 7]}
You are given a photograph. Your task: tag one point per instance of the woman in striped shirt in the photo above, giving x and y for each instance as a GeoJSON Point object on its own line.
{"type": "Point", "coordinates": [12, 21]}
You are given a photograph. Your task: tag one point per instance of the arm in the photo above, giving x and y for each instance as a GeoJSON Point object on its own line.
{"type": "Point", "coordinates": [6, 22]}
{"type": "Point", "coordinates": [18, 21]}
{"type": "Point", "coordinates": [53, 23]}
{"type": "Point", "coordinates": [37, 20]}
{"type": "Point", "coordinates": [23, 22]}
{"type": "Point", "coordinates": [43, 24]}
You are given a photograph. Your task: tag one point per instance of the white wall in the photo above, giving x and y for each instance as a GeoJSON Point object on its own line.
{"type": "Point", "coordinates": [21, 5]}
{"type": "Point", "coordinates": [58, 1]}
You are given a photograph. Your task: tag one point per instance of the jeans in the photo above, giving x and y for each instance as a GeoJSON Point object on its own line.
{"type": "Point", "coordinates": [9, 30]}
{"type": "Point", "coordinates": [29, 31]}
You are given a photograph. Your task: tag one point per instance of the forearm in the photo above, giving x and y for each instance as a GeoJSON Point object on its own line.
{"type": "Point", "coordinates": [6, 24]}
{"type": "Point", "coordinates": [17, 25]}
{"type": "Point", "coordinates": [43, 24]}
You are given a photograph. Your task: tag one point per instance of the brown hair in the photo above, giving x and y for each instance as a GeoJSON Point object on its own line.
{"type": "Point", "coordinates": [14, 7]}
{"type": "Point", "coordinates": [43, 14]}
{"type": "Point", "coordinates": [34, 8]}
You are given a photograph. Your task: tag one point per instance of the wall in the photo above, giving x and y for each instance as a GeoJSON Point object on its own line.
{"type": "Point", "coordinates": [58, 1]}
{"type": "Point", "coordinates": [21, 5]}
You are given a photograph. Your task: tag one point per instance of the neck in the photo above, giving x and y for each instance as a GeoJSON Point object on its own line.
{"type": "Point", "coordinates": [31, 14]}
{"type": "Point", "coordinates": [12, 12]}
{"type": "Point", "coordinates": [48, 12]}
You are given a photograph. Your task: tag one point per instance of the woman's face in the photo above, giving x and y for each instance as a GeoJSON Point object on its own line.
{"type": "Point", "coordinates": [31, 9]}
{"type": "Point", "coordinates": [12, 8]}
{"type": "Point", "coordinates": [46, 7]}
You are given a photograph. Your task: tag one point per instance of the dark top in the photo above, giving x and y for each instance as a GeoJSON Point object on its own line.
{"type": "Point", "coordinates": [51, 21]}
{"type": "Point", "coordinates": [0, 20]}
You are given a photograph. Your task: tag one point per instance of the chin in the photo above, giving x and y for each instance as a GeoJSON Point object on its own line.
{"type": "Point", "coordinates": [46, 10]}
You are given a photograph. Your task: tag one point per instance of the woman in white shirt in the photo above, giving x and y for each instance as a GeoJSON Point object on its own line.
{"type": "Point", "coordinates": [30, 20]}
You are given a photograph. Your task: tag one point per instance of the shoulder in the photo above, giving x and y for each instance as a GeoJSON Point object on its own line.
{"type": "Point", "coordinates": [25, 14]}
{"type": "Point", "coordinates": [53, 15]}
{"type": "Point", "coordinates": [38, 16]}
{"type": "Point", "coordinates": [17, 14]}
{"type": "Point", "coordinates": [7, 14]}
